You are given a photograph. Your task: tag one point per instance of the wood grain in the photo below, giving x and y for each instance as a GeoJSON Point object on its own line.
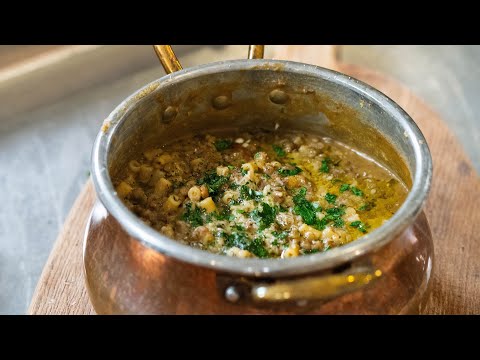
{"type": "Point", "coordinates": [61, 289]}
{"type": "Point", "coordinates": [452, 210]}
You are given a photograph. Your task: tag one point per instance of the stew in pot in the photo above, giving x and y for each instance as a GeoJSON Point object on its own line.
{"type": "Point", "coordinates": [259, 194]}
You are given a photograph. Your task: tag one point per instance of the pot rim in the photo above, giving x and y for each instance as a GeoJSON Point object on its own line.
{"type": "Point", "coordinates": [150, 237]}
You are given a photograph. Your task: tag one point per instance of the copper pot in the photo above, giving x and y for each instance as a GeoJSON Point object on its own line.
{"type": "Point", "coordinates": [132, 268]}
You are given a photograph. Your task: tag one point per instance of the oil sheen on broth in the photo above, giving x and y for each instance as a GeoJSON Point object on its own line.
{"type": "Point", "coordinates": [259, 194]}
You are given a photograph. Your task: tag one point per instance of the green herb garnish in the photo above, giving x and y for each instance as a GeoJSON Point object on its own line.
{"type": "Point", "coordinates": [237, 238]}
{"type": "Point", "coordinates": [366, 207]}
{"type": "Point", "coordinates": [224, 215]}
{"type": "Point", "coordinates": [242, 241]}
{"type": "Point", "coordinates": [359, 225]}
{"type": "Point", "coordinates": [213, 182]}
{"type": "Point", "coordinates": [325, 168]}
{"type": "Point", "coordinates": [247, 193]}
{"type": "Point", "coordinates": [344, 187]}
{"type": "Point", "coordinates": [310, 251]}
{"type": "Point", "coordinates": [256, 247]}
{"type": "Point", "coordinates": [193, 216]}
{"type": "Point", "coordinates": [281, 235]}
{"type": "Point", "coordinates": [331, 198]}
{"type": "Point", "coordinates": [264, 216]}
{"type": "Point", "coordinates": [223, 144]}
{"type": "Point", "coordinates": [287, 172]}
{"type": "Point", "coordinates": [279, 151]}
{"type": "Point", "coordinates": [356, 191]}
{"type": "Point", "coordinates": [304, 208]}
{"type": "Point", "coordinates": [334, 213]}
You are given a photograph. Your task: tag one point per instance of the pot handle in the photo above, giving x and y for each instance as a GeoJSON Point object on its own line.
{"type": "Point", "coordinates": [316, 288]}
{"type": "Point", "coordinates": [171, 64]}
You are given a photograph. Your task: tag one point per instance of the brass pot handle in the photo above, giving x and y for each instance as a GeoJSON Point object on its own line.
{"type": "Point", "coordinates": [171, 64]}
{"type": "Point", "coordinates": [316, 288]}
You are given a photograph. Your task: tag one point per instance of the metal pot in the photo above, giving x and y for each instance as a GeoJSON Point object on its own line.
{"type": "Point", "coordinates": [132, 268]}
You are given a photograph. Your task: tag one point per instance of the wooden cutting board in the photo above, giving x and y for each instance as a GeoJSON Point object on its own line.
{"type": "Point", "coordinates": [453, 210]}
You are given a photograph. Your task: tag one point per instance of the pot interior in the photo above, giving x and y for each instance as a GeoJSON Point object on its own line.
{"type": "Point", "coordinates": [243, 94]}
{"type": "Point", "coordinates": [305, 103]}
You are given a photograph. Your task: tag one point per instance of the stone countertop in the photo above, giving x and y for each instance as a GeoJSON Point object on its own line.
{"type": "Point", "coordinates": [45, 149]}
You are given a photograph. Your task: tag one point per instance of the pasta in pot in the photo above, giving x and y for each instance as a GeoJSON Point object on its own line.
{"type": "Point", "coordinates": [260, 194]}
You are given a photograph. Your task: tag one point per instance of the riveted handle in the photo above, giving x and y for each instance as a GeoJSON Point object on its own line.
{"type": "Point", "coordinates": [316, 288]}
{"type": "Point", "coordinates": [171, 64]}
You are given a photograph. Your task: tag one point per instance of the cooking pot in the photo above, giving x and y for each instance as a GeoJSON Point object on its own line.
{"type": "Point", "coordinates": [132, 268]}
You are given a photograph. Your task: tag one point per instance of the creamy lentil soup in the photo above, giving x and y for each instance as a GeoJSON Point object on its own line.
{"type": "Point", "coordinates": [259, 194]}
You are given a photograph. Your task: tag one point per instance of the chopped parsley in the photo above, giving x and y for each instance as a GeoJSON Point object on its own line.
{"type": "Point", "coordinates": [325, 168]}
{"type": "Point", "coordinates": [286, 172]}
{"type": "Point", "coordinates": [236, 238]}
{"type": "Point", "coordinates": [366, 207]}
{"type": "Point", "coordinates": [224, 215]}
{"type": "Point", "coordinates": [310, 251]}
{"type": "Point", "coordinates": [192, 216]}
{"type": "Point", "coordinates": [264, 216]}
{"type": "Point", "coordinates": [334, 213]}
{"type": "Point", "coordinates": [223, 144]}
{"type": "Point", "coordinates": [304, 208]}
{"type": "Point", "coordinates": [356, 191]}
{"type": "Point", "coordinates": [247, 193]}
{"type": "Point", "coordinates": [344, 187]}
{"type": "Point", "coordinates": [359, 225]}
{"type": "Point", "coordinates": [213, 182]}
{"type": "Point", "coordinates": [242, 241]}
{"type": "Point", "coordinates": [244, 172]}
{"type": "Point", "coordinates": [239, 227]}
{"type": "Point", "coordinates": [279, 235]}
{"type": "Point", "coordinates": [279, 151]}
{"type": "Point", "coordinates": [256, 247]}
{"type": "Point", "coordinates": [331, 198]}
